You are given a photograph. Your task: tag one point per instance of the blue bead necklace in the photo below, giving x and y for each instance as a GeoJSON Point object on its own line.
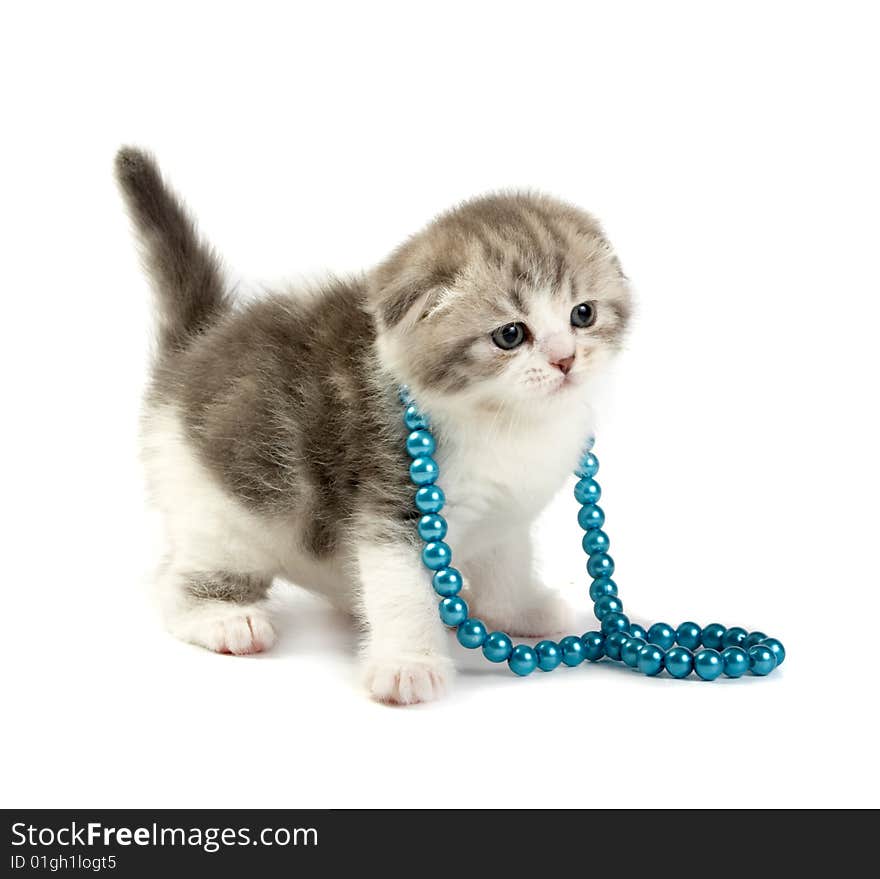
{"type": "Point", "coordinates": [708, 651]}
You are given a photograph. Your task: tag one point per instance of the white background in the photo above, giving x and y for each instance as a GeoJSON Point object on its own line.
{"type": "Point", "coordinates": [731, 151]}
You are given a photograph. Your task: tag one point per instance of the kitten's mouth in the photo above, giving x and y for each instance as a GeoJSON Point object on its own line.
{"type": "Point", "coordinates": [565, 382]}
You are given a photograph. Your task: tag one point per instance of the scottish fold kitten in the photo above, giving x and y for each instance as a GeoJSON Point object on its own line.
{"type": "Point", "coordinates": [274, 442]}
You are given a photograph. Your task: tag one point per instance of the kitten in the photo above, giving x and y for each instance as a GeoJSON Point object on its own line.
{"type": "Point", "coordinates": [273, 434]}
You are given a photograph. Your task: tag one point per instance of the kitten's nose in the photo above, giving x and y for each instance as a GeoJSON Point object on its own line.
{"type": "Point", "coordinates": [563, 364]}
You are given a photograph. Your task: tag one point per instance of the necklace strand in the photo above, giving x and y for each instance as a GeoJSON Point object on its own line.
{"type": "Point", "coordinates": [708, 651]}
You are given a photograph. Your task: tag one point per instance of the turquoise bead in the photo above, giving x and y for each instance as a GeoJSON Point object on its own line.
{"type": "Point", "coordinates": [549, 655]}
{"type": "Point", "coordinates": [602, 586]}
{"type": "Point", "coordinates": [432, 527]}
{"type": "Point", "coordinates": [600, 565]}
{"type": "Point", "coordinates": [615, 622]}
{"type": "Point", "coordinates": [471, 633]}
{"type": "Point", "coordinates": [424, 471]}
{"type": "Point", "coordinates": [523, 660]}
{"type": "Point", "coordinates": [613, 643]}
{"type": "Point", "coordinates": [591, 516]}
{"type": "Point", "coordinates": [594, 645]}
{"type": "Point", "coordinates": [662, 635]}
{"type": "Point", "coordinates": [708, 664]}
{"type": "Point", "coordinates": [453, 611]}
{"type": "Point", "coordinates": [436, 555]}
{"type": "Point", "coordinates": [587, 491]}
{"type": "Point", "coordinates": [754, 638]}
{"type": "Point", "coordinates": [588, 446]}
{"type": "Point", "coordinates": [736, 661]}
{"type": "Point", "coordinates": [588, 467]}
{"type": "Point", "coordinates": [638, 631]}
{"type": "Point", "coordinates": [762, 660]}
{"type": "Point", "coordinates": [447, 582]}
{"type": "Point", "coordinates": [420, 442]}
{"type": "Point", "coordinates": [497, 647]}
{"type": "Point", "coordinates": [414, 419]}
{"type": "Point", "coordinates": [735, 636]}
{"type": "Point", "coordinates": [679, 662]}
{"type": "Point", "coordinates": [651, 659]}
{"type": "Point", "coordinates": [572, 650]}
{"type": "Point", "coordinates": [776, 646]}
{"type": "Point", "coordinates": [404, 395]}
{"type": "Point", "coordinates": [595, 541]}
{"type": "Point", "coordinates": [629, 651]}
{"type": "Point", "coordinates": [689, 635]}
{"type": "Point", "coordinates": [713, 635]}
{"type": "Point", "coordinates": [430, 499]}
{"type": "Point", "coordinates": [607, 604]}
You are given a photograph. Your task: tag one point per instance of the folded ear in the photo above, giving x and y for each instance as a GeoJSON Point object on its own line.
{"type": "Point", "coordinates": [401, 298]}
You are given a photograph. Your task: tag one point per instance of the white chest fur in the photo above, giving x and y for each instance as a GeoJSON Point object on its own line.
{"type": "Point", "coordinates": [500, 478]}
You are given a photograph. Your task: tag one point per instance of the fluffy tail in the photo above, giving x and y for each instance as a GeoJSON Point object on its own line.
{"type": "Point", "coordinates": [186, 274]}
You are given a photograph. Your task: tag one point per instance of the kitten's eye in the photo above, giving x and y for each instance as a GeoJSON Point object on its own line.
{"type": "Point", "coordinates": [509, 336]}
{"type": "Point", "coordinates": [583, 315]}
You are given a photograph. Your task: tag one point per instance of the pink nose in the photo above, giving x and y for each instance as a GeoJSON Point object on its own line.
{"type": "Point", "coordinates": [563, 364]}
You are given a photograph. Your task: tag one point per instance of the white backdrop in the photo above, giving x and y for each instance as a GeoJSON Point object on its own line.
{"type": "Point", "coordinates": [732, 154]}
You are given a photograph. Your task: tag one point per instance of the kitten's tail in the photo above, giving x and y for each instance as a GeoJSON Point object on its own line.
{"type": "Point", "coordinates": [186, 274]}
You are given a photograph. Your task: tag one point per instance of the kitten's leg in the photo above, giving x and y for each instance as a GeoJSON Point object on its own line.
{"type": "Point", "coordinates": [219, 610]}
{"type": "Point", "coordinates": [405, 655]}
{"type": "Point", "coordinates": [505, 594]}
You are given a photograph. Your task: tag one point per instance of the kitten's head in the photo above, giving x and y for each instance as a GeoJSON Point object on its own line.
{"type": "Point", "coordinates": [507, 302]}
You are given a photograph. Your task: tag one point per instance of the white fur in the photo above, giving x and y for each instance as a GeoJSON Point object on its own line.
{"type": "Point", "coordinates": [405, 653]}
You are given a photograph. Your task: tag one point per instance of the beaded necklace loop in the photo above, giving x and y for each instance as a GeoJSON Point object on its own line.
{"type": "Point", "coordinates": [708, 651]}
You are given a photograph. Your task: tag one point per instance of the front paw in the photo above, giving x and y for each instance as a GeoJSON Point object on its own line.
{"type": "Point", "coordinates": [407, 678]}
{"type": "Point", "coordinates": [546, 614]}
